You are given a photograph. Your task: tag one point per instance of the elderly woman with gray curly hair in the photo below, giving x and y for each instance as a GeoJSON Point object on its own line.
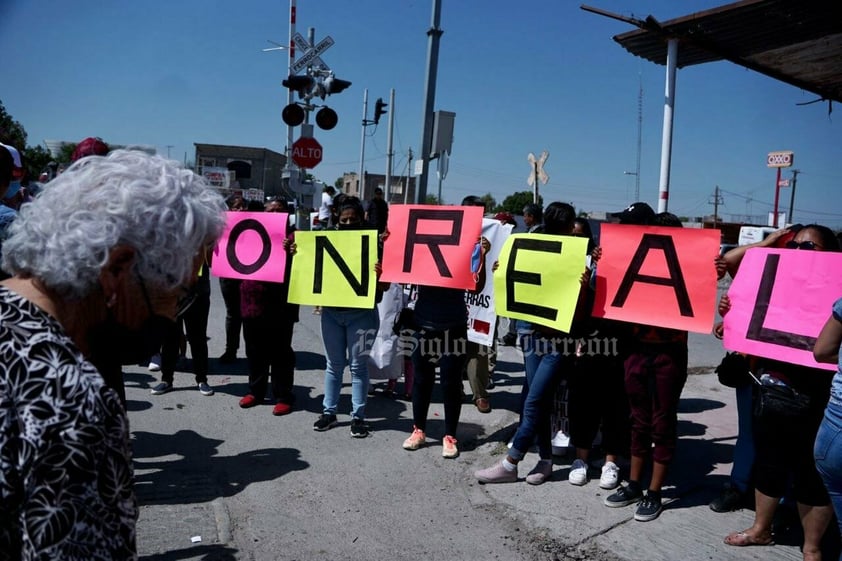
{"type": "Point", "coordinates": [99, 261]}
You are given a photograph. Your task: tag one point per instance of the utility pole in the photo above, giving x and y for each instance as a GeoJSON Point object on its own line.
{"type": "Point", "coordinates": [717, 200]}
{"type": "Point", "coordinates": [434, 33]}
{"type": "Point", "coordinates": [169, 146]}
{"type": "Point", "coordinates": [362, 144]}
{"type": "Point", "coordinates": [389, 152]}
{"type": "Point", "coordinates": [795, 173]}
{"type": "Point", "coordinates": [408, 175]}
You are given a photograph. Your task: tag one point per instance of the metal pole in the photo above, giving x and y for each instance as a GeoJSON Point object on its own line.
{"type": "Point", "coordinates": [777, 197]}
{"type": "Point", "coordinates": [389, 152]}
{"type": "Point", "coordinates": [795, 173]}
{"type": "Point", "coordinates": [290, 99]}
{"type": "Point", "coordinates": [434, 33]}
{"type": "Point", "coordinates": [408, 175]}
{"type": "Point", "coordinates": [362, 145]}
{"type": "Point", "coordinates": [535, 184]}
{"type": "Point", "coordinates": [666, 138]}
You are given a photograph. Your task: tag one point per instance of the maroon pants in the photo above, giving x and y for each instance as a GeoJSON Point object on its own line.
{"type": "Point", "coordinates": [655, 376]}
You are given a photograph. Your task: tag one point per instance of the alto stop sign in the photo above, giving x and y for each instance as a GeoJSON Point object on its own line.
{"type": "Point", "coordinates": [306, 152]}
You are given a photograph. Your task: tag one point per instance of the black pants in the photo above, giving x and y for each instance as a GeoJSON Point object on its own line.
{"type": "Point", "coordinates": [269, 351]}
{"type": "Point", "coordinates": [442, 349]}
{"type": "Point", "coordinates": [597, 396]}
{"type": "Point", "coordinates": [231, 296]}
{"type": "Point", "coordinates": [195, 323]}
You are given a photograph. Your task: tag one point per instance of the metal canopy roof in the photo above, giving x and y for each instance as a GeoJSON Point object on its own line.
{"type": "Point", "coordinates": [795, 41]}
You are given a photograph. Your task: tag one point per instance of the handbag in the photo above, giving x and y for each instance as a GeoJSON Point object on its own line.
{"type": "Point", "coordinates": [406, 318]}
{"type": "Point", "coordinates": [776, 399]}
{"type": "Point", "coordinates": [733, 371]}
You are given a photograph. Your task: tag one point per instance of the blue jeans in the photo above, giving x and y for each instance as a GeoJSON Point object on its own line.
{"type": "Point", "coordinates": [744, 448]}
{"type": "Point", "coordinates": [828, 454]}
{"type": "Point", "coordinates": [543, 365]}
{"type": "Point", "coordinates": [347, 333]}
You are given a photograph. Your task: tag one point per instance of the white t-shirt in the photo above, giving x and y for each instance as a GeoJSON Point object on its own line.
{"type": "Point", "coordinates": [324, 209]}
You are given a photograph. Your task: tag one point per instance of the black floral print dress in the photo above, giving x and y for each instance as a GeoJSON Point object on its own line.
{"type": "Point", "coordinates": [65, 465]}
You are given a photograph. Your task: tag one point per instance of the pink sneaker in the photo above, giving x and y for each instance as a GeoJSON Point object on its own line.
{"type": "Point", "coordinates": [416, 440]}
{"type": "Point", "coordinates": [496, 474]}
{"type": "Point", "coordinates": [448, 447]}
{"type": "Point", "coordinates": [541, 473]}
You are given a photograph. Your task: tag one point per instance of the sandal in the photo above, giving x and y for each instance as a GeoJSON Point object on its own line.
{"type": "Point", "coordinates": [742, 539]}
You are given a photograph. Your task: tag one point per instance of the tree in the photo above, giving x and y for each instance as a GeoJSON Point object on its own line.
{"type": "Point", "coordinates": [11, 131]}
{"type": "Point", "coordinates": [432, 200]}
{"type": "Point", "coordinates": [490, 202]}
{"type": "Point", "coordinates": [515, 202]}
{"type": "Point", "coordinates": [339, 183]}
{"type": "Point", "coordinates": [36, 160]}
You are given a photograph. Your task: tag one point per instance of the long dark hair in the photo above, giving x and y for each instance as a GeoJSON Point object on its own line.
{"type": "Point", "coordinates": [558, 218]}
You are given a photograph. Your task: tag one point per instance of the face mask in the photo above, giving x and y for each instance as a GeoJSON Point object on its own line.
{"type": "Point", "coordinates": [13, 189]}
{"type": "Point", "coordinates": [355, 226]}
{"type": "Point", "coordinates": [112, 342]}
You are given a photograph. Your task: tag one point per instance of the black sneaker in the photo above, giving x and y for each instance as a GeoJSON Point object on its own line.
{"type": "Point", "coordinates": [324, 422]}
{"type": "Point", "coordinates": [728, 500]}
{"type": "Point", "coordinates": [624, 496]}
{"type": "Point", "coordinates": [358, 428]}
{"type": "Point", "coordinates": [649, 508]}
{"type": "Point", "coordinates": [161, 388]}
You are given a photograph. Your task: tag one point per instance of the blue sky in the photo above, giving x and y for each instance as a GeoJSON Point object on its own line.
{"type": "Point", "coordinates": [521, 77]}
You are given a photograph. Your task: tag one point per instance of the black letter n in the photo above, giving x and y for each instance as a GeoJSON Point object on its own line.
{"type": "Point", "coordinates": [323, 245]}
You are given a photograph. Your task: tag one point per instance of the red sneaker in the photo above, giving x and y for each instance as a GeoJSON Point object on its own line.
{"type": "Point", "coordinates": [248, 401]}
{"type": "Point", "coordinates": [282, 408]}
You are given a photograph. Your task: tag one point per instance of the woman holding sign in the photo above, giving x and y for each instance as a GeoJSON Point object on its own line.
{"type": "Point", "coordinates": [777, 466]}
{"type": "Point", "coordinates": [544, 362]}
{"type": "Point", "coordinates": [342, 331]}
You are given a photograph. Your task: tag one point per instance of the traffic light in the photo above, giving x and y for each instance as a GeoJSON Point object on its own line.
{"type": "Point", "coordinates": [300, 84]}
{"type": "Point", "coordinates": [335, 85]}
{"type": "Point", "coordinates": [378, 109]}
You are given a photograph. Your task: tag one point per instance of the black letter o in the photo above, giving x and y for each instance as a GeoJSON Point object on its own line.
{"type": "Point", "coordinates": [231, 250]}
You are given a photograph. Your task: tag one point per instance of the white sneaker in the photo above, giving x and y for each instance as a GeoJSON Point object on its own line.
{"type": "Point", "coordinates": [578, 473]}
{"type": "Point", "coordinates": [610, 477]}
{"type": "Point", "coordinates": [560, 442]}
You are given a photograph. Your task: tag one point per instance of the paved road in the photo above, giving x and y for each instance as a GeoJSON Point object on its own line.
{"type": "Point", "coordinates": [252, 486]}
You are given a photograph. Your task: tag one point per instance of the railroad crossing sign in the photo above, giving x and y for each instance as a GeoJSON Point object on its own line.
{"type": "Point", "coordinates": [779, 159]}
{"type": "Point", "coordinates": [306, 152]}
{"type": "Point", "coordinates": [538, 168]}
{"type": "Point", "coordinates": [310, 55]}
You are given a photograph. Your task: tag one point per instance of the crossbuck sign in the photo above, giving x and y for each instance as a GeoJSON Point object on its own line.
{"type": "Point", "coordinates": [310, 55]}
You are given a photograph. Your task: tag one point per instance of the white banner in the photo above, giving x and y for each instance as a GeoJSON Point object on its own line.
{"type": "Point", "coordinates": [384, 361]}
{"type": "Point", "coordinates": [482, 318]}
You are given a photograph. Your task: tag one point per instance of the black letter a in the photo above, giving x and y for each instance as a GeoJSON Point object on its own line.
{"type": "Point", "coordinates": [675, 280]}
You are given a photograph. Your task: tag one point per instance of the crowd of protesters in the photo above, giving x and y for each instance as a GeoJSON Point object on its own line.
{"type": "Point", "coordinates": [120, 288]}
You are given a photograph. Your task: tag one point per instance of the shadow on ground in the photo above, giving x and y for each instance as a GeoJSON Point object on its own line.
{"type": "Point", "coordinates": [198, 474]}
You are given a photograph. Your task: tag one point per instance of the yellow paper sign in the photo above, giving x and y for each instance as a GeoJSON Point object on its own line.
{"type": "Point", "coordinates": [538, 279]}
{"type": "Point", "coordinates": [334, 268]}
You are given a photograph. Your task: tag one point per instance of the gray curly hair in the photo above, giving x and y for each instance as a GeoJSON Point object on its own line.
{"type": "Point", "coordinates": [163, 211]}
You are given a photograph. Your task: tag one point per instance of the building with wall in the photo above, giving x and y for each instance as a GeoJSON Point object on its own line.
{"type": "Point", "coordinates": [397, 193]}
{"type": "Point", "coordinates": [255, 172]}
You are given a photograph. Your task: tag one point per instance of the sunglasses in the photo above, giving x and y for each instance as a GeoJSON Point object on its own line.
{"type": "Point", "coordinates": [792, 244]}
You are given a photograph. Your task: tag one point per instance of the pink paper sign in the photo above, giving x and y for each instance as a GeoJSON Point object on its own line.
{"type": "Point", "coordinates": [251, 247]}
{"type": "Point", "coordinates": [780, 300]}
{"type": "Point", "coordinates": [431, 245]}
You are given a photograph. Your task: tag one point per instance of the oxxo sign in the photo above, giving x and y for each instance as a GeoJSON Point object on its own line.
{"type": "Point", "coordinates": [779, 159]}
{"type": "Point", "coordinates": [306, 152]}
